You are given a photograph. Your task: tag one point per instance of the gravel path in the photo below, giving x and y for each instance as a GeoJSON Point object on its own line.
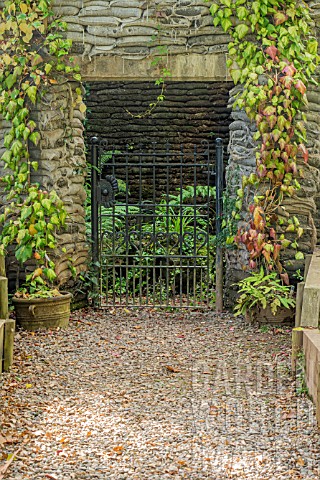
{"type": "Point", "coordinates": [152, 395]}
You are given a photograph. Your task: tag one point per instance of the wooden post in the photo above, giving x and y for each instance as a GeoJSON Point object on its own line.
{"type": "Point", "coordinates": [297, 342]}
{"type": "Point", "coordinates": [318, 397]}
{"type": "Point", "coordinates": [2, 266]}
{"type": "Point", "coordinates": [2, 324]}
{"type": "Point", "coordinates": [307, 265]}
{"type": "Point", "coordinates": [9, 329]}
{"type": "Point", "coordinates": [299, 300]}
{"type": "Point", "coordinates": [4, 312]}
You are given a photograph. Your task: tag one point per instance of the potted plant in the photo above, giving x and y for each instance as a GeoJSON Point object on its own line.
{"type": "Point", "coordinates": [30, 227]}
{"type": "Point", "coordinates": [265, 299]}
{"type": "Point", "coordinates": [33, 49]}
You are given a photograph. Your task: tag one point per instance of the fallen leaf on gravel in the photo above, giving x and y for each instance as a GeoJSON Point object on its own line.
{"type": "Point", "coordinates": [6, 439]}
{"type": "Point", "coordinates": [51, 477]}
{"type": "Point", "coordinates": [118, 449]}
{"type": "Point", "coordinates": [5, 467]}
{"type": "Point", "coordinates": [137, 327]}
{"type": "Point", "coordinates": [300, 461]}
{"type": "Point", "coordinates": [172, 369]}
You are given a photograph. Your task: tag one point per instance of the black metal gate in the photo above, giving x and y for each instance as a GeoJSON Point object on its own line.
{"type": "Point", "coordinates": [154, 224]}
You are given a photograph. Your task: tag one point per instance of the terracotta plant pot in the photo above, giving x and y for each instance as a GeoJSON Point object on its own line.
{"type": "Point", "coordinates": [283, 316]}
{"type": "Point", "coordinates": [39, 313]}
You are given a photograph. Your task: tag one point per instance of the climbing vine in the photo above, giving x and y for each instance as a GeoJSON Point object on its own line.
{"type": "Point", "coordinates": [273, 55]}
{"type": "Point", "coordinates": [159, 63]}
{"type": "Point", "coordinates": [34, 55]}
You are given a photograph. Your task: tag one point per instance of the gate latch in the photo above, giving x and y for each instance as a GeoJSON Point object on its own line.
{"type": "Point", "coordinates": [107, 188]}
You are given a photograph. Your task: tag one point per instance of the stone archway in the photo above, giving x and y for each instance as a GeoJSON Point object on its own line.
{"type": "Point", "coordinates": [116, 42]}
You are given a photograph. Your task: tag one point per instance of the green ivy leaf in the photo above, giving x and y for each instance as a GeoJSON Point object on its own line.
{"type": "Point", "coordinates": [242, 13]}
{"type": "Point", "coordinates": [35, 137]}
{"type": "Point", "coordinates": [26, 212]}
{"type": "Point", "coordinates": [46, 203]}
{"type": "Point", "coordinates": [23, 253]}
{"type": "Point", "coordinates": [242, 30]}
{"type": "Point", "coordinates": [236, 75]}
{"type": "Point", "coordinates": [32, 93]}
{"type": "Point", "coordinates": [214, 8]}
{"type": "Point", "coordinates": [226, 24]}
{"type": "Point", "coordinates": [10, 81]}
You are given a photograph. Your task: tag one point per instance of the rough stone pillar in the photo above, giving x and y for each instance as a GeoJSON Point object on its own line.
{"type": "Point", "coordinates": [241, 162]}
{"type": "Point", "coordinates": [62, 167]}
{"type": "Point", "coordinates": [305, 205]}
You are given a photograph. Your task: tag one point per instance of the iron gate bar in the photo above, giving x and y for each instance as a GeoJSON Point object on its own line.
{"type": "Point", "coordinates": [219, 211]}
{"type": "Point", "coordinates": [154, 267]}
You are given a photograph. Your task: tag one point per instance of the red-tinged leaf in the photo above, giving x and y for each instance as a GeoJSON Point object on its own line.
{"type": "Point", "coordinates": [287, 81]}
{"type": "Point", "coordinates": [253, 233]}
{"type": "Point", "coordinates": [289, 149]}
{"type": "Point", "coordinates": [269, 110]}
{"type": "Point", "coordinates": [289, 70]}
{"type": "Point", "coordinates": [276, 134]}
{"type": "Point", "coordinates": [284, 157]}
{"type": "Point", "coordinates": [276, 251]}
{"type": "Point", "coordinates": [260, 240]}
{"type": "Point", "coordinates": [266, 255]}
{"type": "Point", "coordinates": [252, 264]}
{"type": "Point", "coordinates": [278, 90]}
{"type": "Point", "coordinates": [272, 51]}
{"type": "Point", "coordinates": [272, 233]}
{"type": "Point", "coordinates": [263, 127]}
{"type": "Point", "coordinates": [281, 121]}
{"type": "Point", "coordinates": [280, 18]}
{"type": "Point", "coordinates": [285, 278]}
{"type": "Point", "coordinates": [304, 151]}
{"type": "Point", "coordinates": [272, 120]}
{"type": "Point", "coordinates": [258, 118]}
{"type": "Point", "coordinates": [294, 168]}
{"type": "Point", "coordinates": [282, 143]}
{"type": "Point", "coordinates": [301, 87]}
{"type": "Point", "coordinates": [266, 137]}
{"type": "Point", "coordinates": [250, 247]}
{"type": "Point", "coordinates": [261, 171]}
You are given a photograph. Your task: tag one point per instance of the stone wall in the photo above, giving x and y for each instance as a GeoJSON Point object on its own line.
{"type": "Point", "coordinates": [305, 204]}
{"type": "Point", "coordinates": [62, 166]}
{"type": "Point", "coordinates": [133, 29]}
{"type": "Point", "coordinates": [118, 39]}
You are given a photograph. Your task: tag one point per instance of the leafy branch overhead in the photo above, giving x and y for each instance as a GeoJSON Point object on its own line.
{"type": "Point", "coordinates": [273, 55]}
{"type": "Point", "coordinates": [34, 55]}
